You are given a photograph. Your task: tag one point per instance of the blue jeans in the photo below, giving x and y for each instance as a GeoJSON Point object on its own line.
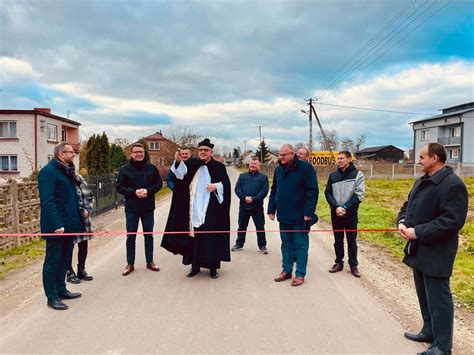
{"type": "Point", "coordinates": [132, 219]}
{"type": "Point", "coordinates": [294, 245]}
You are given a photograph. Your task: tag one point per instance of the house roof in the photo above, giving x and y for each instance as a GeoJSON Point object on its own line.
{"type": "Point", "coordinates": [448, 114]}
{"type": "Point", "coordinates": [376, 149]}
{"type": "Point", "coordinates": [157, 136]}
{"type": "Point", "coordinates": [43, 112]}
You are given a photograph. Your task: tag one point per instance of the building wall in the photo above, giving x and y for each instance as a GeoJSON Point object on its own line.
{"type": "Point", "coordinates": [468, 138]}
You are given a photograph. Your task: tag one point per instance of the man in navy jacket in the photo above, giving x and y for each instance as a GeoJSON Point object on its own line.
{"type": "Point", "coordinates": [430, 222]}
{"type": "Point", "coordinates": [252, 188]}
{"type": "Point", "coordinates": [294, 195]}
{"type": "Point", "coordinates": [60, 213]}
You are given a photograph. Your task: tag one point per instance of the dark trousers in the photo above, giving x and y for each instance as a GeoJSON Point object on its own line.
{"type": "Point", "coordinates": [132, 219]}
{"type": "Point", "coordinates": [344, 224]}
{"type": "Point", "coordinates": [294, 245]}
{"type": "Point", "coordinates": [81, 254]}
{"type": "Point", "coordinates": [56, 262]}
{"type": "Point", "coordinates": [259, 221]}
{"type": "Point", "coordinates": [437, 309]}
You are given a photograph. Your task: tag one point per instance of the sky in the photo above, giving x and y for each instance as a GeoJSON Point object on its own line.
{"type": "Point", "coordinates": [222, 68]}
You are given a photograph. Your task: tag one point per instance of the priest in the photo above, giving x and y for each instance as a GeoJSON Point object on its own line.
{"type": "Point", "coordinates": [199, 222]}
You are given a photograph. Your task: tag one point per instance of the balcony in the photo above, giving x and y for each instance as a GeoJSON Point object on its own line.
{"type": "Point", "coordinates": [449, 140]}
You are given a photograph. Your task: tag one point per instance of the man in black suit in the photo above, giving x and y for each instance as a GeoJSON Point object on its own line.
{"type": "Point", "coordinates": [430, 222]}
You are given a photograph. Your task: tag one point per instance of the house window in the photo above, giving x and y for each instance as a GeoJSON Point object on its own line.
{"type": "Point", "coordinates": [63, 135]}
{"type": "Point", "coordinates": [52, 132]}
{"type": "Point", "coordinates": [8, 129]}
{"type": "Point", "coordinates": [50, 157]}
{"type": "Point", "coordinates": [455, 131]}
{"type": "Point", "coordinates": [9, 162]}
{"type": "Point", "coordinates": [453, 153]}
{"type": "Point", "coordinates": [154, 145]}
{"type": "Point", "coordinates": [425, 135]}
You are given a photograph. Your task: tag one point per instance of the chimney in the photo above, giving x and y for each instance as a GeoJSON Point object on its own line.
{"type": "Point", "coordinates": [43, 109]}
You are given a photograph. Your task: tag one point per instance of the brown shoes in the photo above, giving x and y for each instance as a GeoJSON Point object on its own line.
{"type": "Point", "coordinates": [283, 276]}
{"type": "Point", "coordinates": [152, 266]}
{"type": "Point", "coordinates": [355, 271]}
{"type": "Point", "coordinates": [297, 281]}
{"type": "Point", "coordinates": [128, 270]}
{"type": "Point", "coordinates": [336, 268]}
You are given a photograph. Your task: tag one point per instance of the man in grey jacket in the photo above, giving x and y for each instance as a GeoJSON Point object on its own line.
{"type": "Point", "coordinates": [344, 192]}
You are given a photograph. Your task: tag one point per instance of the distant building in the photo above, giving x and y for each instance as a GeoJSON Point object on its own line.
{"type": "Point", "coordinates": [161, 149]}
{"type": "Point", "coordinates": [453, 128]}
{"type": "Point", "coordinates": [384, 153]}
{"type": "Point", "coordinates": [28, 137]}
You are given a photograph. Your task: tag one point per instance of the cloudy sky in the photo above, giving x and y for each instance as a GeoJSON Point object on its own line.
{"type": "Point", "coordinates": [224, 67]}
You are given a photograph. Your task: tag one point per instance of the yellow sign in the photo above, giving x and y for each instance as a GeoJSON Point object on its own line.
{"type": "Point", "coordinates": [323, 158]}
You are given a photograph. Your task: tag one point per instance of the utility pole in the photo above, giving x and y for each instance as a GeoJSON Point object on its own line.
{"type": "Point", "coordinates": [326, 141]}
{"type": "Point", "coordinates": [310, 142]}
{"type": "Point", "coordinates": [261, 150]}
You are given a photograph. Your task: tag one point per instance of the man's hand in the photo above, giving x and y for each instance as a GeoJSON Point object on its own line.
{"type": "Point", "coordinates": [340, 212]}
{"type": "Point", "coordinates": [85, 214]}
{"type": "Point", "coordinates": [401, 229]}
{"type": "Point", "coordinates": [248, 199]}
{"type": "Point", "coordinates": [271, 216]}
{"type": "Point", "coordinates": [211, 187]}
{"type": "Point", "coordinates": [307, 218]}
{"type": "Point", "coordinates": [141, 193]}
{"type": "Point", "coordinates": [177, 157]}
{"type": "Point", "coordinates": [410, 233]}
{"type": "Point", "coordinates": [59, 230]}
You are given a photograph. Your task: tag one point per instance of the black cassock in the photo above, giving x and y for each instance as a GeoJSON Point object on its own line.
{"type": "Point", "coordinates": [205, 250]}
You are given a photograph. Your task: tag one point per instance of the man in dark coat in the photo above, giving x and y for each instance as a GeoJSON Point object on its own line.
{"type": "Point", "coordinates": [251, 188]}
{"type": "Point", "coordinates": [200, 203]}
{"type": "Point", "coordinates": [344, 192]}
{"type": "Point", "coordinates": [185, 153]}
{"type": "Point", "coordinates": [430, 222]}
{"type": "Point", "coordinates": [60, 213]}
{"type": "Point", "coordinates": [294, 195]}
{"type": "Point", "coordinates": [139, 181]}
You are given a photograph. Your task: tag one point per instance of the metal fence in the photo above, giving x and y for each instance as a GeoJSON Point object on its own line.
{"type": "Point", "coordinates": [106, 197]}
{"type": "Point", "coordinates": [383, 170]}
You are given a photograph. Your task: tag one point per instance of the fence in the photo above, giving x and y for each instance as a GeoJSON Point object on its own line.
{"type": "Point", "coordinates": [20, 206]}
{"type": "Point", "coordinates": [382, 170]}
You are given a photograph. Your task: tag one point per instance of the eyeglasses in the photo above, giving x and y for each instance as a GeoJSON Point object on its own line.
{"type": "Point", "coordinates": [139, 152]}
{"type": "Point", "coordinates": [204, 150]}
{"type": "Point", "coordinates": [69, 151]}
{"type": "Point", "coordinates": [285, 154]}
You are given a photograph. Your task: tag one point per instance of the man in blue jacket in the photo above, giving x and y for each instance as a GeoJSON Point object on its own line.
{"type": "Point", "coordinates": [294, 195]}
{"type": "Point", "coordinates": [139, 181]}
{"type": "Point", "coordinates": [344, 192]}
{"type": "Point", "coordinates": [252, 188]}
{"type": "Point", "coordinates": [60, 214]}
{"type": "Point", "coordinates": [430, 222]}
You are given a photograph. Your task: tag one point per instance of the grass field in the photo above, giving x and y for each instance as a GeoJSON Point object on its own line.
{"type": "Point", "coordinates": [379, 210]}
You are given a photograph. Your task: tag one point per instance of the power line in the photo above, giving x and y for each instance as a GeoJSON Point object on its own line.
{"type": "Point", "coordinates": [376, 109]}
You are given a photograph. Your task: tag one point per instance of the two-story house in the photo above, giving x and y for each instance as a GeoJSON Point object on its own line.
{"type": "Point", "coordinates": [28, 137]}
{"type": "Point", "coordinates": [453, 128]}
{"type": "Point", "coordinates": [160, 148]}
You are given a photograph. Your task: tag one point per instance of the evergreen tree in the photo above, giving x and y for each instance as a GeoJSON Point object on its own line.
{"type": "Point", "coordinates": [91, 155]}
{"type": "Point", "coordinates": [117, 157]}
{"type": "Point", "coordinates": [263, 153]}
{"type": "Point", "coordinates": [98, 155]}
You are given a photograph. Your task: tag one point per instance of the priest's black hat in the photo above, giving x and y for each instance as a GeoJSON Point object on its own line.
{"type": "Point", "coordinates": [206, 142]}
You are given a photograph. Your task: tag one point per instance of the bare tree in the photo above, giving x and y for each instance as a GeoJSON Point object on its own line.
{"type": "Point", "coordinates": [182, 136]}
{"type": "Point", "coordinates": [330, 143]}
{"type": "Point", "coordinates": [122, 142]}
{"type": "Point", "coordinates": [347, 144]}
{"type": "Point", "coordinates": [359, 142]}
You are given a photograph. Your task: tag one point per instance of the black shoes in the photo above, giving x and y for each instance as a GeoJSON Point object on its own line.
{"type": "Point", "coordinates": [434, 350]}
{"type": "Point", "coordinates": [237, 247]}
{"type": "Point", "coordinates": [72, 277]}
{"type": "Point", "coordinates": [57, 305]}
{"type": "Point", "coordinates": [263, 250]}
{"type": "Point", "coordinates": [336, 268]}
{"type": "Point", "coordinates": [82, 273]}
{"type": "Point", "coordinates": [213, 274]}
{"type": "Point", "coordinates": [420, 337]}
{"type": "Point", "coordinates": [193, 272]}
{"type": "Point", "coordinates": [355, 271]}
{"type": "Point", "coordinates": [67, 295]}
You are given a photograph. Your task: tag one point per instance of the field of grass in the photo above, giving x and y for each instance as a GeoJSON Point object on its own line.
{"type": "Point", "coordinates": [379, 210]}
{"type": "Point", "coordinates": [19, 257]}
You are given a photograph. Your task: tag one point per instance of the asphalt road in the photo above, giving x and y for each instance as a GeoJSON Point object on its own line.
{"type": "Point", "coordinates": [243, 311]}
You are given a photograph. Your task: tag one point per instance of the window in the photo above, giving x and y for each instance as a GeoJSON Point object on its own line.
{"type": "Point", "coordinates": [154, 145]}
{"type": "Point", "coordinates": [52, 132]}
{"type": "Point", "coordinates": [63, 134]}
{"type": "Point", "coordinates": [453, 153]}
{"type": "Point", "coordinates": [8, 129]}
{"type": "Point", "coordinates": [9, 162]}
{"type": "Point", "coordinates": [425, 135]}
{"type": "Point", "coordinates": [455, 131]}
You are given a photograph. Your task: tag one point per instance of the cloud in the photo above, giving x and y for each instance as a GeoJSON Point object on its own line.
{"type": "Point", "coordinates": [16, 69]}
